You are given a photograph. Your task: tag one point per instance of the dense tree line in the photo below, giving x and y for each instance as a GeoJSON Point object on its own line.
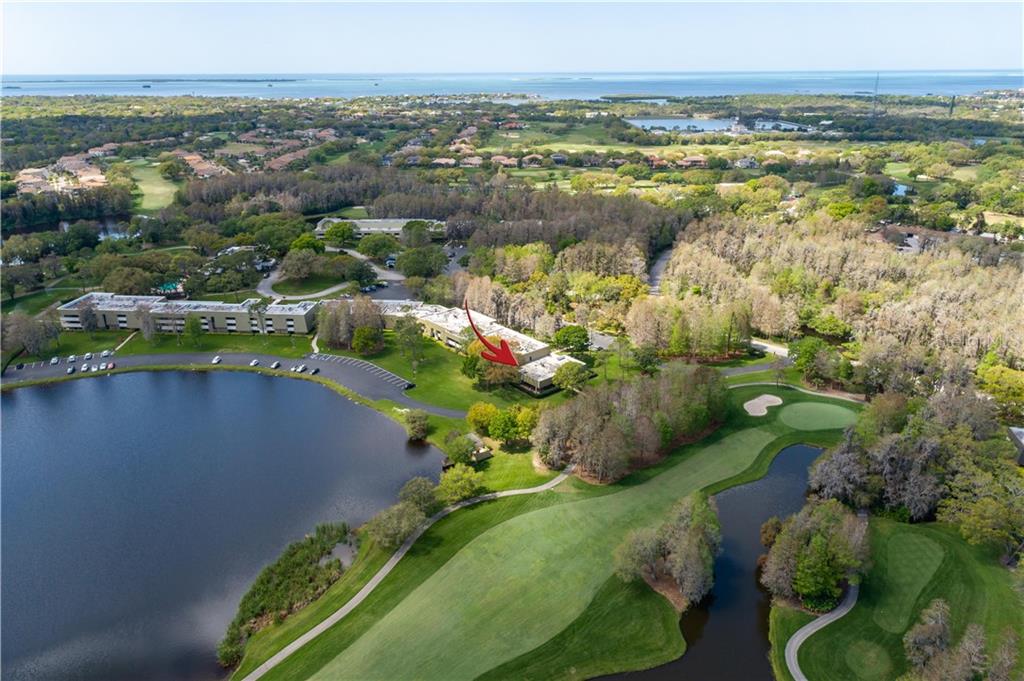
{"type": "Point", "coordinates": [944, 456]}
{"type": "Point", "coordinates": [611, 427]}
{"type": "Point", "coordinates": [48, 208]}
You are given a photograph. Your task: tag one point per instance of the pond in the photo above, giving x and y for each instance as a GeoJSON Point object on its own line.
{"type": "Point", "coordinates": [138, 508]}
{"type": "Point", "coordinates": [683, 124]}
{"type": "Point", "coordinates": [727, 634]}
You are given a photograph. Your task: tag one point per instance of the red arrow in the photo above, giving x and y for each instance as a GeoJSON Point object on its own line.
{"type": "Point", "coordinates": [498, 355]}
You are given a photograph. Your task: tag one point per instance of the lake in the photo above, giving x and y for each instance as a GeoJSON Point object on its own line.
{"type": "Point", "coordinates": [138, 508]}
{"type": "Point", "coordinates": [727, 634]}
{"type": "Point", "coordinates": [545, 85]}
{"type": "Point", "coordinates": [693, 124]}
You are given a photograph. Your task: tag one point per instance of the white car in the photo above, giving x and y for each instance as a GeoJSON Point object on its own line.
{"type": "Point", "coordinates": [105, 353]}
{"type": "Point", "coordinates": [54, 360]}
{"type": "Point", "coordinates": [275, 365]}
{"type": "Point", "coordinates": [254, 363]}
{"type": "Point", "coordinates": [72, 359]}
{"type": "Point", "coordinates": [216, 360]}
{"type": "Point", "coordinates": [70, 370]}
{"type": "Point", "coordinates": [301, 368]}
{"type": "Point", "coordinates": [93, 368]}
{"type": "Point", "coordinates": [87, 356]}
{"type": "Point", "coordinates": [103, 366]}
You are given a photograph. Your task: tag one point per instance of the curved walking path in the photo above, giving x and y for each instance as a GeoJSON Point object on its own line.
{"type": "Point", "coordinates": [368, 588]}
{"type": "Point", "coordinates": [813, 627]}
{"type": "Point", "coordinates": [266, 289]}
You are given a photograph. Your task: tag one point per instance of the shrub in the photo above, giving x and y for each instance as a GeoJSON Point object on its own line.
{"type": "Point", "coordinates": [459, 482]}
{"type": "Point", "coordinates": [417, 424]}
{"type": "Point", "coordinates": [367, 340]}
{"type": "Point", "coordinates": [393, 525]}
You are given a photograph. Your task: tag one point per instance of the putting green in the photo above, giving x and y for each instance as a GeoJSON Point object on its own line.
{"type": "Point", "coordinates": [912, 560]}
{"type": "Point", "coordinates": [816, 416]}
{"type": "Point", "coordinates": [520, 583]}
{"type": "Point", "coordinates": [868, 660]}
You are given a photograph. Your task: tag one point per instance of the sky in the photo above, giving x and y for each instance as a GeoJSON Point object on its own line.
{"type": "Point", "coordinates": [490, 37]}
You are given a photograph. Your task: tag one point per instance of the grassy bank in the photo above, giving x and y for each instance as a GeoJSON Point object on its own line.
{"type": "Point", "coordinates": [304, 287]}
{"type": "Point", "coordinates": [429, 604]}
{"type": "Point", "coordinates": [783, 622]}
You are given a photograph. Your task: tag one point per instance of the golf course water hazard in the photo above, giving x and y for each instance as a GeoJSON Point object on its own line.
{"type": "Point", "coordinates": [727, 634]}
{"type": "Point", "coordinates": [138, 508]}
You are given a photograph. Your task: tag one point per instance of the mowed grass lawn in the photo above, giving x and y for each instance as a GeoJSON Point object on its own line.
{"type": "Point", "coordinates": [438, 377]}
{"type": "Point", "coordinates": [155, 191]}
{"type": "Point", "coordinates": [303, 287]}
{"type": "Point", "coordinates": [913, 564]}
{"type": "Point", "coordinates": [284, 346]}
{"type": "Point", "coordinates": [504, 588]}
{"type": "Point", "coordinates": [37, 301]}
{"type": "Point", "coordinates": [79, 343]}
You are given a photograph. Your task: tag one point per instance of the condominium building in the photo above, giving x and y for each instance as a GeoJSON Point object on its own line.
{"type": "Point", "coordinates": [113, 311]}
{"type": "Point", "coordinates": [450, 327]}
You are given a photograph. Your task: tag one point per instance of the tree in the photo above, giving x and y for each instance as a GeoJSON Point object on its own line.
{"type": "Point", "coordinates": [147, 325]}
{"type": "Point", "coordinates": [194, 329]}
{"type": "Point", "coordinates": [299, 263]}
{"type": "Point", "coordinates": [573, 339]}
{"type": "Point", "coordinates": [129, 281]}
{"type": "Point", "coordinates": [930, 636]}
{"type": "Point", "coordinates": [87, 318]}
{"type": "Point", "coordinates": [571, 376]}
{"type": "Point", "coordinates": [460, 449]}
{"type": "Point", "coordinates": [34, 334]}
{"type": "Point", "coordinates": [409, 340]}
{"type": "Point", "coordinates": [637, 555]}
{"type": "Point", "coordinates": [393, 525]}
{"type": "Point", "coordinates": [366, 313]}
{"type": "Point", "coordinates": [481, 415]}
{"type": "Point", "coordinates": [367, 340]}
{"type": "Point", "coordinates": [419, 492]}
{"type": "Point", "coordinates": [417, 424]}
{"type": "Point", "coordinates": [377, 245]}
{"type": "Point", "coordinates": [307, 241]}
{"type": "Point", "coordinates": [339, 233]}
{"type": "Point", "coordinates": [514, 424]}
{"type": "Point", "coordinates": [459, 482]}
{"type": "Point", "coordinates": [426, 261]}
{"type": "Point", "coordinates": [645, 358]}
{"type": "Point", "coordinates": [817, 575]}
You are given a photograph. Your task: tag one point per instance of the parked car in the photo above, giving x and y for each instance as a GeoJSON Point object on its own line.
{"type": "Point", "coordinates": [383, 284]}
{"type": "Point", "coordinates": [54, 360]}
{"type": "Point", "coordinates": [301, 368]}
{"type": "Point", "coordinates": [72, 359]}
{"type": "Point", "coordinates": [105, 353]}
{"type": "Point", "coordinates": [20, 366]}
{"type": "Point", "coordinates": [275, 365]}
{"type": "Point", "coordinates": [87, 356]}
{"type": "Point", "coordinates": [215, 360]}
{"type": "Point", "coordinates": [94, 368]}
{"type": "Point", "coordinates": [70, 370]}
{"type": "Point", "coordinates": [110, 366]}
{"type": "Point", "coordinates": [314, 371]}
{"type": "Point", "coordinates": [103, 366]}
{"type": "Point", "coordinates": [253, 363]}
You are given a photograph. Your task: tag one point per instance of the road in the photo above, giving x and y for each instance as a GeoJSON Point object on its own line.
{"type": "Point", "coordinates": [362, 377]}
{"type": "Point", "coordinates": [658, 271]}
{"type": "Point", "coordinates": [397, 556]}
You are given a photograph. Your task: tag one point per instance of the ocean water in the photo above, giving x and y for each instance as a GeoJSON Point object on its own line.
{"type": "Point", "coordinates": [543, 85]}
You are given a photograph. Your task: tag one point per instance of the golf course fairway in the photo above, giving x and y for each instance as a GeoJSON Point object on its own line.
{"type": "Point", "coordinates": [520, 582]}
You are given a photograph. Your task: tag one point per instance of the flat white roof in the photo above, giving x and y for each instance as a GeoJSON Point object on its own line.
{"type": "Point", "coordinates": [545, 367]}
{"type": "Point", "coordinates": [112, 302]}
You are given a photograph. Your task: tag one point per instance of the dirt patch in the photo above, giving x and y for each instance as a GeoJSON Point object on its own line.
{"type": "Point", "coordinates": [668, 588]}
{"type": "Point", "coordinates": [539, 465]}
{"type": "Point", "coordinates": [759, 405]}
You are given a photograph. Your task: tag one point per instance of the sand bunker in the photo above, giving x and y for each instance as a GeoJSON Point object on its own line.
{"type": "Point", "coordinates": [759, 405]}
